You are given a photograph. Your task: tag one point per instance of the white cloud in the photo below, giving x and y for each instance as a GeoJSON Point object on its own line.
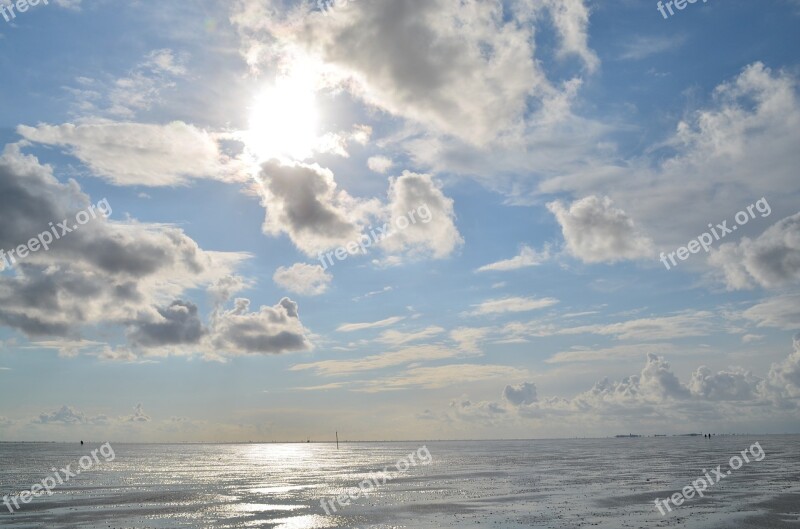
{"type": "Point", "coordinates": [642, 46]}
{"type": "Point", "coordinates": [527, 257]}
{"type": "Point", "coordinates": [605, 354]}
{"type": "Point", "coordinates": [571, 19]}
{"type": "Point", "coordinates": [443, 376]}
{"type": "Point", "coordinates": [399, 338]}
{"type": "Point", "coordinates": [736, 384]}
{"type": "Point", "coordinates": [304, 279]}
{"type": "Point", "coordinates": [656, 394]}
{"type": "Point", "coordinates": [139, 90]}
{"type": "Point", "coordinates": [771, 260]}
{"type": "Point", "coordinates": [136, 154]}
{"type": "Point", "coordinates": [785, 377]}
{"type": "Point", "coordinates": [597, 232]}
{"type": "Point", "coordinates": [468, 71]}
{"type": "Point", "coordinates": [138, 415]}
{"type": "Point", "coordinates": [750, 128]}
{"type": "Point", "coordinates": [351, 327]}
{"type": "Point", "coordinates": [468, 338]}
{"type": "Point", "coordinates": [682, 325]}
{"type": "Point", "coordinates": [434, 233]}
{"type": "Point", "coordinates": [511, 304]}
{"type": "Point", "coordinates": [782, 312]}
{"type": "Point", "coordinates": [405, 356]}
{"type": "Point", "coordinates": [380, 164]}
{"type": "Point", "coordinates": [69, 416]}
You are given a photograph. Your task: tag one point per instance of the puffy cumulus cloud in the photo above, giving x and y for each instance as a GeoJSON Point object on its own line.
{"type": "Point", "coordinates": [379, 164]}
{"type": "Point", "coordinates": [303, 202]}
{"type": "Point", "coordinates": [655, 384]}
{"type": "Point", "coordinates": [527, 257]}
{"type": "Point", "coordinates": [137, 154]}
{"type": "Point", "coordinates": [771, 260]}
{"type": "Point", "coordinates": [69, 416]}
{"type": "Point", "coordinates": [484, 410]}
{"type": "Point", "coordinates": [417, 202]}
{"type": "Point", "coordinates": [178, 324]}
{"type": "Point", "coordinates": [303, 279]}
{"type": "Point", "coordinates": [270, 330]}
{"type": "Point", "coordinates": [126, 274]}
{"type": "Point", "coordinates": [104, 272]}
{"type": "Point", "coordinates": [736, 384]}
{"type": "Point", "coordinates": [597, 232]}
{"type": "Point", "coordinates": [785, 377]}
{"type": "Point", "coordinates": [468, 71]}
{"type": "Point", "coordinates": [750, 127]}
{"type": "Point", "coordinates": [138, 415]}
{"type": "Point", "coordinates": [521, 394]}
{"type": "Point", "coordinates": [656, 392]}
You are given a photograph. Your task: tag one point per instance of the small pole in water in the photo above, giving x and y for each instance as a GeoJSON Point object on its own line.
{"type": "Point", "coordinates": [337, 439]}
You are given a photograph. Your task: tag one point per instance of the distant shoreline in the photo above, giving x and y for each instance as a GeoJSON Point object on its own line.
{"type": "Point", "coordinates": [344, 441]}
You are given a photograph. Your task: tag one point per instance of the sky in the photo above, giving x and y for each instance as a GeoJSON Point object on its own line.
{"type": "Point", "coordinates": [255, 220]}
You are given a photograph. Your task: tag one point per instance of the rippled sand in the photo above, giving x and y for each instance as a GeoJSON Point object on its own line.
{"type": "Point", "coordinates": [605, 483]}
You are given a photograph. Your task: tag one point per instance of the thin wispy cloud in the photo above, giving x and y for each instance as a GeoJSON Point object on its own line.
{"type": "Point", "coordinates": [510, 305]}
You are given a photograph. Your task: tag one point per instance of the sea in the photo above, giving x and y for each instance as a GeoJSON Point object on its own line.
{"type": "Point", "coordinates": [567, 483]}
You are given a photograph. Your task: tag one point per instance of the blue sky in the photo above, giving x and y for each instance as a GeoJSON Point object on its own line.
{"type": "Point", "coordinates": [555, 149]}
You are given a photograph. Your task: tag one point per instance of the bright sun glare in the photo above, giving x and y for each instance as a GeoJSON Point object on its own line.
{"type": "Point", "coordinates": [284, 119]}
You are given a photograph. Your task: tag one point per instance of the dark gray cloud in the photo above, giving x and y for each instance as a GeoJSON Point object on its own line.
{"type": "Point", "coordinates": [102, 272]}
{"type": "Point", "coordinates": [303, 202]}
{"type": "Point", "coordinates": [271, 330]}
{"type": "Point", "coordinates": [179, 324]}
{"type": "Point", "coordinates": [521, 394]}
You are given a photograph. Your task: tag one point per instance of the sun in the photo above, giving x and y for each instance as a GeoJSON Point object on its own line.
{"type": "Point", "coordinates": [284, 119]}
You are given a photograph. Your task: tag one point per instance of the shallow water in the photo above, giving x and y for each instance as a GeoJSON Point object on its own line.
{"type": "Point", "coordinates": [602, 483]}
